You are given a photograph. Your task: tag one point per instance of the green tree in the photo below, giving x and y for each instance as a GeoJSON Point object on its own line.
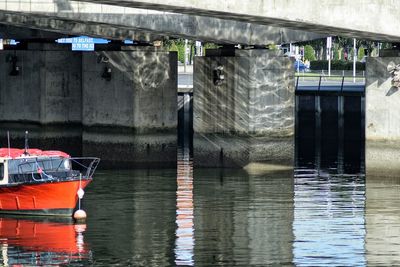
{"type": "Point", "coordinates": [178, 46]}
{"type": "Point", "coordinates": [272, 47]}
{"type": "Point", "coordinates": [319, 46]}
{"type": "Point", "coordinates": [172, 47]}
{"type": "Point", "coordinates": [361, 53]}
{"type": "Point", "coordinates": [309, 53]}
{"type": "Point", "coordinates": [181, 51]}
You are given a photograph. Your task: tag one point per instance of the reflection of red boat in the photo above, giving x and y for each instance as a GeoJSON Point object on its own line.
{"type": "Point", "coordinates": [59, 241]}
{"type": "Point", "coordinates": [41, 235]}
{"type": "Point", "coordinates": [39, 182]}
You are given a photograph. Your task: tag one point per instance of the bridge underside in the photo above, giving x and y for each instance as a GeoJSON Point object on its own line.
{"type": "Point", "coordinates": [377, 20]}
{"type": "Point", "coordinates": [128, 23]}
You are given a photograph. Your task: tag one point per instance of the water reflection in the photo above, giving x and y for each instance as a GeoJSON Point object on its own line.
{"type": "Point", "coordinates": [243, 219]}
{"type": "Point", "coordinates": [132, 217]}
{"type": "Point", "coordinates": [219, 217]}
{"type": "Point", "coordinates": [184, 244]}
{"type": "Point", "coordinates": [382, 218]}
{"type": "Point", "coordinates": [329, 224]}
{"type": "Point", "coordinates": [36, 242]}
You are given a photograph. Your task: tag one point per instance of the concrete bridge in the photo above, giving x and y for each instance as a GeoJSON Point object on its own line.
{"type": "Point", "coordinates": [124, 98]}
{"type": "Point", "coordinates": [376, 20]}
{"type": "Point", "coordinates": [113, 22]}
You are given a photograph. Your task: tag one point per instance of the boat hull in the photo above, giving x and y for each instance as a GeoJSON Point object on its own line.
{"type": "Point", "coordinates": [50, 198]}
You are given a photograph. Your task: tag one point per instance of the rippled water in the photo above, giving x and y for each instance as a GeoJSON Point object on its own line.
{"type": "Point", "coordinates": [212, 217]}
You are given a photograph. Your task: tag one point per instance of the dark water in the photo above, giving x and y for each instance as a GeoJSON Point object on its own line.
{"type": "Point", "coordinates": [216, 217]}
{"type": "Point", "coordinates": [324, 212]}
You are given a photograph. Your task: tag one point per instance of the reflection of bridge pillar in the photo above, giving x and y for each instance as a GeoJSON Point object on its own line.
{"type": "Point", "coordinates": [382, 220]}
{"type": "Point", "coordinates": [234, 221]}
{"type": "Point", "coordinates": [382, 119]}
{"type": "Point", "coordinates": [130, 118]}
{"type": "Point", "coordinates": [249, 115]}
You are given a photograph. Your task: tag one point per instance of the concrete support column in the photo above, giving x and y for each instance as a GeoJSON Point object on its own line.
{"type": "Point", "coordinates": [130, 108]}
{"type": "Point", "coordinates": [120, 106]}
{"type": "Point", "coordinates": [382, 119]}
{"type": "Point", "coordinates": [243, 109]}
{"type": "Point", "coordinates": [46, 90]}
{"type": "Point", "coordinates": [43, 97]}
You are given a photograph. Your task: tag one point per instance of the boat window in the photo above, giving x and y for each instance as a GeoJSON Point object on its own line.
{"type": "Point", "coordinates": [29, 165]}
{"type": "Point", "coordinates": [1, 171]}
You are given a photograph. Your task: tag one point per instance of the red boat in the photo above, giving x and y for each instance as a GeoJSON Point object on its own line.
{"type": "Point", "coordinates": [38, 182]}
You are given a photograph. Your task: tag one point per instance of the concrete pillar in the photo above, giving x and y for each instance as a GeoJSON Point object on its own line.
{"type": "Point", "coordinates": [382, 119]}
{"type": "Point", "coordinates": [67, 102]}
{"type": "Point", "coordinates": [44, 97]}
{"type": "Point", "coordinates": [130, 118]}
{"type": "Point", "coordinates": [46, 90]}
{"type": "Point", "coordinates": [249, 115]}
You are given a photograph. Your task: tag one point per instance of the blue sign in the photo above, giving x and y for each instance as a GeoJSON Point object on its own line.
{"type": "Point", "coordinates": [100, 41]}
{"type": "Point", "coordinates": [82, 43]}
{"type": "Point", "coordinates": [64, 41]}
{"type": "Point", "coordinates": [9, 41]}
{"type": "Point", "coordinates": [128, 41]}
{"type": "Point", "coordinates": [82, 47]}
{"type": "Point", "coordinates": [13, 42]}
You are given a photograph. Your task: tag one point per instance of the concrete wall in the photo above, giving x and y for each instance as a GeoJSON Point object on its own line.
{"type": "Point", "coordinates": [250, 116]}
{"type": "Point", "coordinates": [47, 89]}
{"type": "Point", "coordinates": [382, 119]}
{"type": "Point", "coordinates": [129, 121]}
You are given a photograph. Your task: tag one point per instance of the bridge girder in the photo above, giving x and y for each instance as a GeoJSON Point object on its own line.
{"type": "Point", "coordinates": [72, 17]}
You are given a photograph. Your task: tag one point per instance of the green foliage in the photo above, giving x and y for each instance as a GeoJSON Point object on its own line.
{"type": "Point", "coordinates": [335, 65]}
{"type": "Point", "coordinates": [309, 53]}
{"type": "Point", "coordinates": [272, 47]}
{"type": "Point", "coordinates": [361, 53]}
{"type": "Point", "coordinates": [181, 52]}
{"type": "Point", "coordinates": [173, 47]}
{"type": "Point", "coordinates": [336, 52]}
{"type": "Point", "coordinates": [177, 46]}
{"type": "Point", "coordinates": [210, 46]}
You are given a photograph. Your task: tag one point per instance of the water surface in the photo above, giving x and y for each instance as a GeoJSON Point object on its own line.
{"type": "Point", "coordinates": [218, 217]}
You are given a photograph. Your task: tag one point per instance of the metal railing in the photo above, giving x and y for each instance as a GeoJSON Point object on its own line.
{"type": "Point", "coordinates": [337, 84]}
{"type": "Point", "coordinates": [86, 165]}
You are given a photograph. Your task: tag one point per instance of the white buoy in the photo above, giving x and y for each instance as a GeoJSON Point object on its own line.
{"type": "Point", "coordinates": [80, 215]}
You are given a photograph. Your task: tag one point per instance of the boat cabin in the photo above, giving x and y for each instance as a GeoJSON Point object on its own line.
{"type": "Point", "coordinates": [19, 166]}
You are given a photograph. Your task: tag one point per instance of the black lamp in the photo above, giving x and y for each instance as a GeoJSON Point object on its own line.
{"type": "Point", "coordinates": [14, 68]}
{"type": "Point", "coordinates": [106, 75]}
{"type": "Point", "coordinates": [219, 77]}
